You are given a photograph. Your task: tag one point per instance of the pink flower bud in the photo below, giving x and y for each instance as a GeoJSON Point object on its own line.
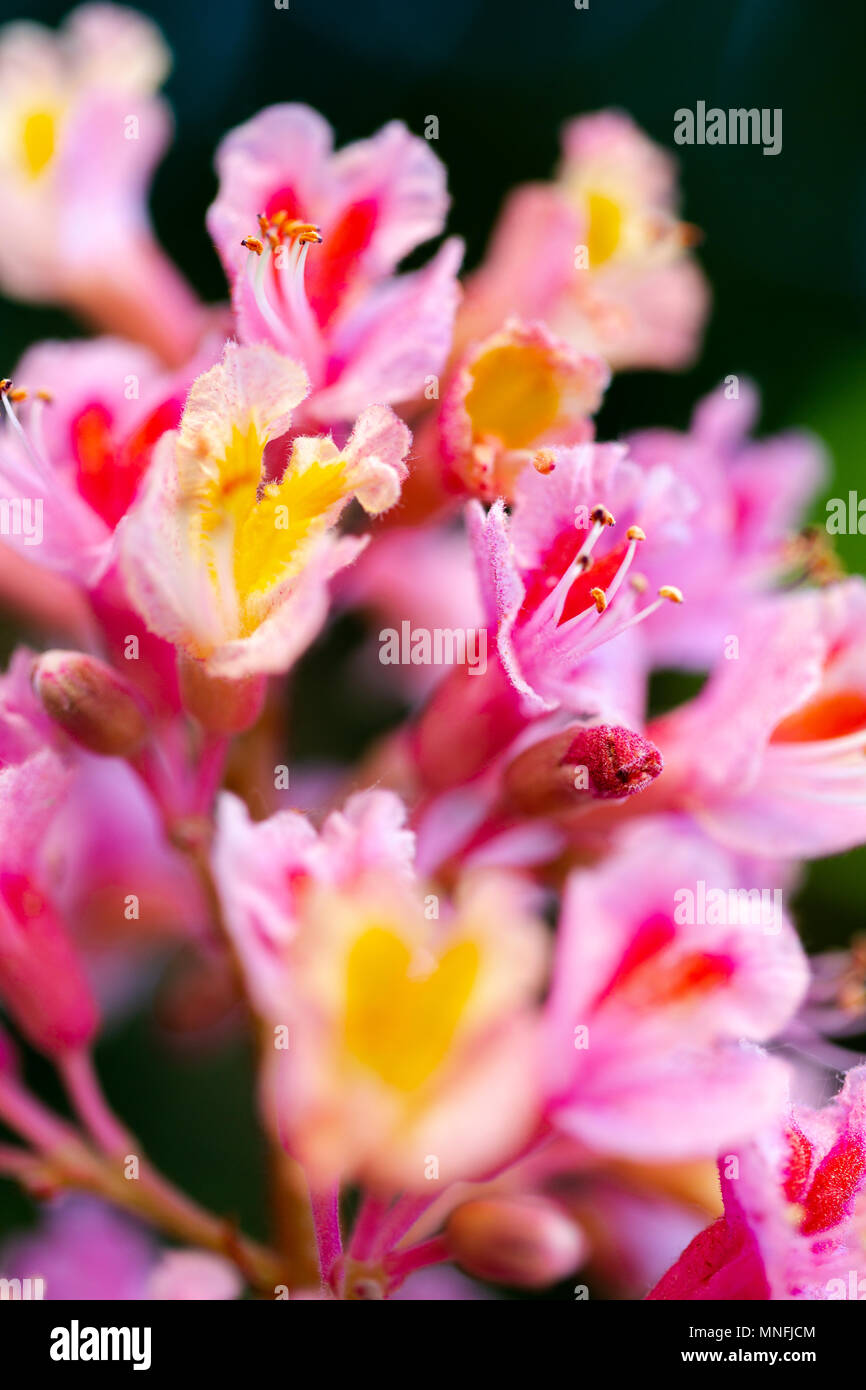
{"type": "Point", "coordinates": [41, 981]}
{"type": "Point", "coordinates": [91, 702]}
{"type": "Point", "coordinates": [526, 1242]}
{"type": "Point", "coordinates": [618, 761]}
{"type": "Point", "coordinates": [221, 705]}
{"type": "Point", "coordinates": [605, 762]}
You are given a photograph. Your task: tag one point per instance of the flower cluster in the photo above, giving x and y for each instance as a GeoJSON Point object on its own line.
{"type": "Point", "coordinates": [521, 976]}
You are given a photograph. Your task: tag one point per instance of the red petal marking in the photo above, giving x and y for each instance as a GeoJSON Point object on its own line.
{"type": "Point", "coordinates": [799, 1164]}
{"type": "Point", "coordinates": [93, 448]}
{"type": "Point", "coordinates": [837, 1180]}
{"type": "Point", "coordinates": [284, 200]}
{"type": "Point", "coordinates": [828, 716]}
{"type": "Point", "coordinates": [720, 1263]}
{"type": "Point", "coordinates": [698, 973]}
{"type": "Point", "coordinates": [331, 266]}
{"type": "Point", "coordinates": [556, 562]}
{"type": "Point", "coordinates": [20, 897]}
{"type": "Point", "coordinates": [651, 937]}
{"type": "Point", "coordinates": [110, 470]}
{"type": "Point", "coordinates": [661, 981]}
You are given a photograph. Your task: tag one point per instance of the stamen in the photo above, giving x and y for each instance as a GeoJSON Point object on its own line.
{"type": "Point", "coordinates": [256, 280]}
{"type": "Point", "coordinates": [280, 236]}
{"type": "Point", "coordinates": [612, 589]}
{"type": "Point", "coordinates": [8, 394]}
{"type": "Point", "coordinates": [307, 233]}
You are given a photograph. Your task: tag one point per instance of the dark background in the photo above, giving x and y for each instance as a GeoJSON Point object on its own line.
{"type": "Point", "coordinates": [783, 249]}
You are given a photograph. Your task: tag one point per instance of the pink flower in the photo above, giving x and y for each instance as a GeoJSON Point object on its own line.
{"type": "Point", "coordinates": [600, 254]}
{"type": "Point", "coordinates": [403, 1037]}
{"type": "Point", "coordinates": [233, 569]}
{"type": "Point", "coordinates": [361, 333]}
{"type": "Point", "coordinates": [650, 1015]}
{"type": "Point", "coordinates": [751, 496]}
{"type": "Point", "coordinates": [769, 757]}
{"type": "Point", "coordinates": [81, 443]}
{"type": "Point", "coordinates": [81, 133]}
{"type": "Point", "coordinates": [42, 982]}
{"type": "Point", "coordinates": [518, 391]}
{"type": "Point", "coordinates": [555, 577]}
{"type": "Point", "coordinates": [794, 1215]}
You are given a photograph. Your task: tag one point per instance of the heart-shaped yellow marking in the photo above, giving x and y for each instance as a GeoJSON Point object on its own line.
{"type": "Point", "coordinates": [399, 1025]}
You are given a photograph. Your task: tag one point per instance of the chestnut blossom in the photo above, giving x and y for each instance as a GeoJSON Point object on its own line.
{"type": "Point", "coordinates": [794, 1216]}
{"type": "Point", "coordinates": [616, 275]}
{"type": "Point", "coordinates": [406, 1020]}
{"type": "Point", "coordinates": [310, 239]}
{"type": "Point", "coordinates": [228, 566]}
{"type": "Point", "coordinates": [81, 129]}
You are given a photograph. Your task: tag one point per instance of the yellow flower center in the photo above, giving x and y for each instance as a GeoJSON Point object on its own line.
{"type": "Point", "coordinates": [514, 395]}
{"type": "Point", "coordinates": [605, 228]}
{"type": "Point", "coordinates": [399, 1025]}
{"type": "Point", "coordinates": [38, 140]}
{"type": "Point", "coordinates": [267, 524]}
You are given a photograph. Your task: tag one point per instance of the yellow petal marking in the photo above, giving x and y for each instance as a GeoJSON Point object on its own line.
{"type": "Point", "coordinates": [514, 395]}
{"type": "Point", "coordinates": [38, 140]}
{"type": "Point", "coordinates": [401, 1026]}
{"type": "Point", "coordinates": [605, 228]}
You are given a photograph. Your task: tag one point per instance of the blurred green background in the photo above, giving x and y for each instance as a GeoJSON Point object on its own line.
{"type": "Point", "coordinates": [783, 248]}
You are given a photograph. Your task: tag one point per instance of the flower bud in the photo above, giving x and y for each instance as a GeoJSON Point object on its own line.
{"type": "Point", "coordinates": [526, 1242]}
{"type": "Point", "coordinates": [42, 984]}
{"type": "Point", "coordinates": [605, 761]}
{"type": "Point", "coordinates": [220, 704]}
{"type": "Point", "coordinates": [91, 702]}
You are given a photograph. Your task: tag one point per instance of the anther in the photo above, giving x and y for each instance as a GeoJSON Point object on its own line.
{"type": "Point", "coordinates": [543, 462]}
{"type": "Point", "coordinates": [670, 591]}
{"type": "Point", "coordinates": [636, 533]}
{"type": "Point", "coordinates": [252, 243]}
{"type": "Point", "coordinates": [602, 516]}
{"type": "Point", "coordinates": [598, 598]}
{"type": "Point", "coordinates": [303, 232]}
